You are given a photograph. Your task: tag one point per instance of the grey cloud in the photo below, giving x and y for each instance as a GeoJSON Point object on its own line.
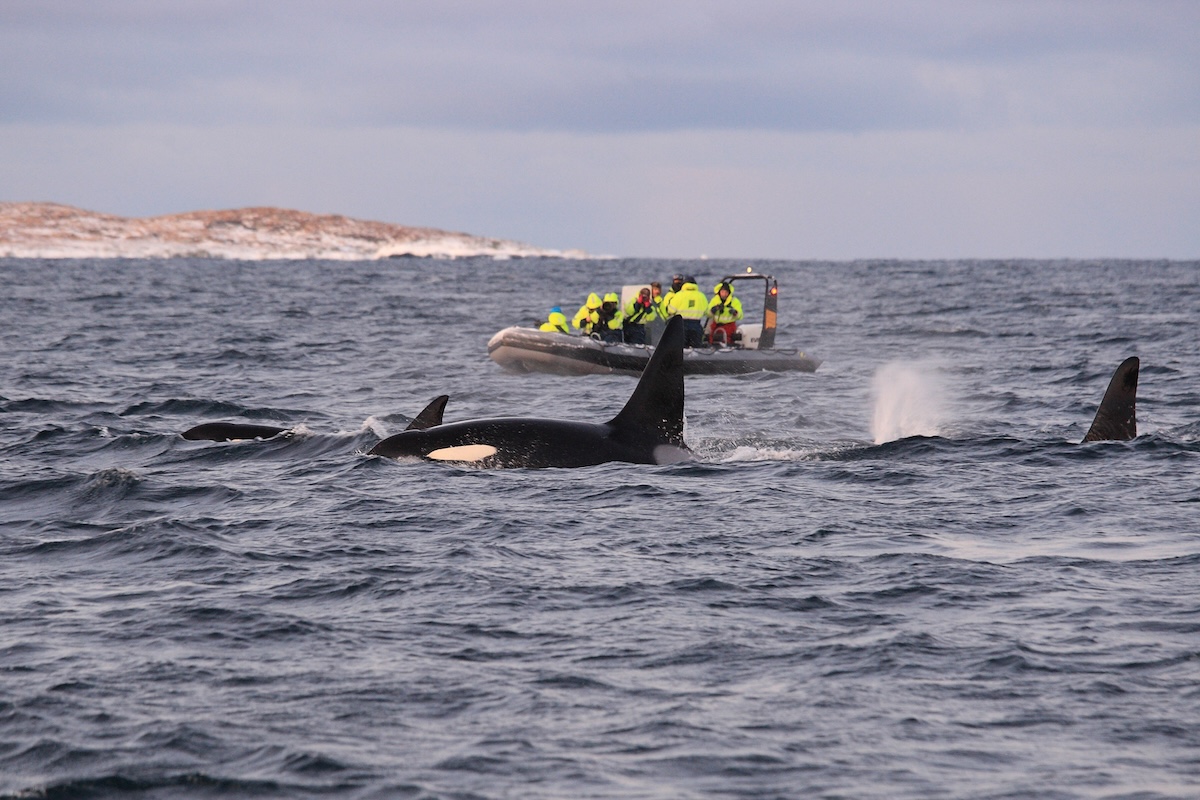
{"type": "Point", "coordinates": [615, 66]}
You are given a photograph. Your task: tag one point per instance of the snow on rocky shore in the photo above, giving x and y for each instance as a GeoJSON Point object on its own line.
{"type": "Point", "coordinates": [51, 230]}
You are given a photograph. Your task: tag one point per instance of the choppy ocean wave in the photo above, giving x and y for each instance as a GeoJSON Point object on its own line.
{"type": "Point", "coordinates": [970, 605]}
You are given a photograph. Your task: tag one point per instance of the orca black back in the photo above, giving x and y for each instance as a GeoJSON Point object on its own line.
{"type": "Point", "coordinates": [231, 431]}
{"type": "Point", "coordinates": [430, 417]}
{"type": "Point", "coordinates": [648, 430]}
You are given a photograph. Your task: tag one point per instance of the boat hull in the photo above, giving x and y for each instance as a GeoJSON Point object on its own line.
{"type": "Point", "coordinates": [525, 350]}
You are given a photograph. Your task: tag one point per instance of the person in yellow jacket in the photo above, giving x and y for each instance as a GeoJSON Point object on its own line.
{"type": "Point", "coordinates": [611, 319]}
{"type": "Point", "coordinates": [556, 322]}
{"type": "Point", "coordinates": [724, 312]}
{"type": "Point", "coordinates": [676, 285]}
{"type": "Point", "coordinates": [639, 311]}
{"type": "Point", "coordinates": [691, 304]}
{"type": "Point", "coordinates": [588, 315]}
{"type": "Point", "coordinates": [656, 297]}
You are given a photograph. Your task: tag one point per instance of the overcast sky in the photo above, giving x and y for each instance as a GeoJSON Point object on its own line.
{"type": "Point", "coordinates": [729, 128]}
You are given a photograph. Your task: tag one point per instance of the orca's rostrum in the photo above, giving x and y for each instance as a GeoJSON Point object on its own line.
{"type": "Point", "coordinates": [648, 430]}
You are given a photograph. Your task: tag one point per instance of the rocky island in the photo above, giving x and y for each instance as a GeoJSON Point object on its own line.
{"type": "Point", "coordinates": [52, 230]}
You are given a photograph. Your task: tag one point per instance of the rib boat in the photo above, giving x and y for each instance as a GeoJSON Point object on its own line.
{"type": "Point", "coordinates": [525, 350]}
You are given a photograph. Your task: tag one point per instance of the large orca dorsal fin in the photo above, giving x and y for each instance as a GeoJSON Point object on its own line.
{"type": "Point", "coordinates": [656, 405]}
{"type": "Point", "coordinates": [431, 415]}
{"type": "Point", "coordinates": [1117, 418]}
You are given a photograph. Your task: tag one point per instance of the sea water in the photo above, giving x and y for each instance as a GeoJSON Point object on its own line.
{"type": "Point", "coordinates": [899, 577]}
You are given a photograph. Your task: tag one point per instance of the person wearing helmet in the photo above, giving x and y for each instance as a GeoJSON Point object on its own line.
{"type": "Point", "coordinates": [588, 315]}
{"type": "Point", "coordinates": [639, 311]}
{"type": "Point", "coordinates": [556, 322]}
{"type": "Point", "coordinates": [611, 318]}
{"type": "Point", "coordinates": [691, 304]}
{"type": "Point", "coordinates": [724, 311]}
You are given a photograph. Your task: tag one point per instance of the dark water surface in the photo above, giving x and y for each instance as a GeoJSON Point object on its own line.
{"type": "Point", "coordinates": [986, 609]}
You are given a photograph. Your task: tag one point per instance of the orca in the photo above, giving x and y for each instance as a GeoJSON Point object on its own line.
{"type": "Point", "coordinates": [231, 431]}
{"type": "Point", "coordinates": [1116, 419]}
{"type": "Point", "coordinates": [430, 417]}
{"type": "Point", "coordinates": [648, 430]}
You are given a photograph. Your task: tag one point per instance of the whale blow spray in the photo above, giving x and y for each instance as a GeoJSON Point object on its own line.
{"type": "Point", "coordinates": [909, 401]}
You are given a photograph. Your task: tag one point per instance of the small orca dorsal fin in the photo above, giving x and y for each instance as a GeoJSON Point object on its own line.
{"type": "Point", "coordinates": [431, 415]}
{"type": "Point", "coordinates": [656, 405]}
{"type": "Point", "coordinates": [1116, 420]}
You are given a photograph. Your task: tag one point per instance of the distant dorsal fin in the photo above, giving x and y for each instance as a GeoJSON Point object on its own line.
{"type": "Point", "coordinates": [1117, 418]}
{"type": "Point", "coordinates": [431, 415]}
{"type": "Point", "coordinates": [656, 405]}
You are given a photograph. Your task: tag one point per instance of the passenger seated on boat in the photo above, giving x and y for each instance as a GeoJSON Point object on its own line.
{"type": "Point", "coordinates": [588, 315]}
{"type": "Point", "coordinates": [556, 323]}
{"type": "Point", "coordinates": [691, 304]}
{"type": "Point", "coordinates": [724, 312]}
{"type": "Point", "coordinates": [611, 319]}
{"type": "Point", "coordinates": [638, 312]}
